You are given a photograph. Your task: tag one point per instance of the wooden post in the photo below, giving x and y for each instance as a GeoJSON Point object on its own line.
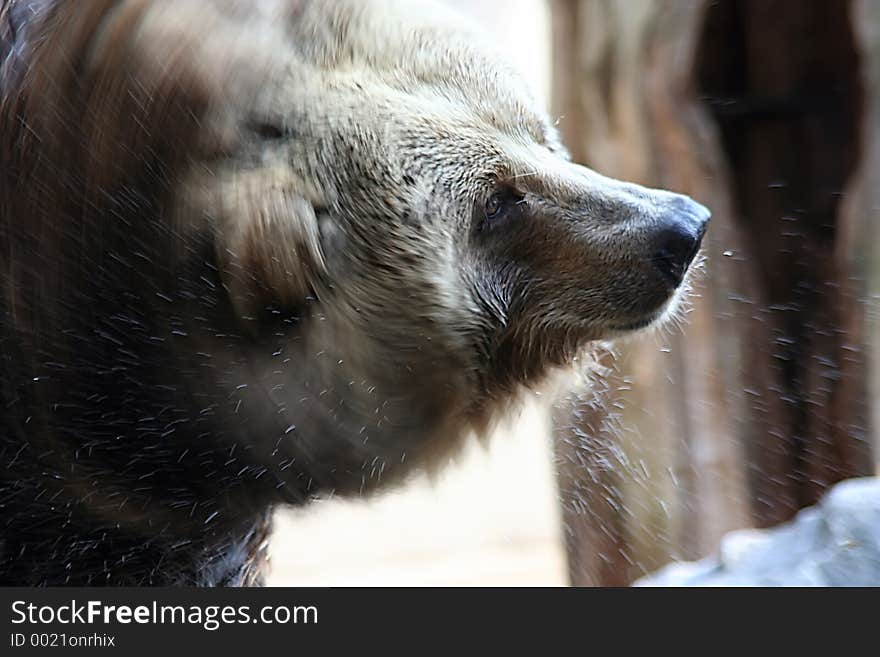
{"type": "Point", "coordinates": [765, 111]}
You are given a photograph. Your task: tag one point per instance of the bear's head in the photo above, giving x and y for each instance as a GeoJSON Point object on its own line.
{"type": "Point", "coordinates": [334, 236]}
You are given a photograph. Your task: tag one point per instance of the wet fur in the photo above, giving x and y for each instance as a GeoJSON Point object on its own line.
{"type": "Point", "coordinates": [243, 263]}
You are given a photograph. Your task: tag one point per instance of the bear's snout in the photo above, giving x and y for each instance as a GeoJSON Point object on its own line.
{"type": "Point", "coordinates": [678, 238]}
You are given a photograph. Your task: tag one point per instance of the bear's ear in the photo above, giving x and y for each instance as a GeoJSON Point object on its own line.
{"type": "Point", "coordinates": [268, 246]}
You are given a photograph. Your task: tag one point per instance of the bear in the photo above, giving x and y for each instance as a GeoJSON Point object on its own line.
{"type": "Point", "coordinates": [256, 253]}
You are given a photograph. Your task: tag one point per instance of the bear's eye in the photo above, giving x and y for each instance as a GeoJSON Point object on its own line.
{"type": "Point", "coordinates": [495, 205]}
{"type": "Point", "coordinates": [503, 204]}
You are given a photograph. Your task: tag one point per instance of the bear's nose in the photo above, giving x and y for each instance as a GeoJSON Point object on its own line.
{"type": "Point", "coordinates": [678, 238]}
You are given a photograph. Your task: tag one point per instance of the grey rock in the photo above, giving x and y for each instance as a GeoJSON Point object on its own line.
{"type": "Point", "coordinates": [835, 543]}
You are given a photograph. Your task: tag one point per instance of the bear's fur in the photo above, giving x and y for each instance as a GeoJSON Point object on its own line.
{"type": "Point", "coordinates": [256, 252]}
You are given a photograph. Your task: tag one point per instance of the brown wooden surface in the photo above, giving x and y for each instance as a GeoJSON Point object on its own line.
{"type": "Point", "coordinates": [766, 111]}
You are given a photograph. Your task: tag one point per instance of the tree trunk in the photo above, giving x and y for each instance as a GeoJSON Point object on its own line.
{"type": "Point", "coordinates": [766, 112]}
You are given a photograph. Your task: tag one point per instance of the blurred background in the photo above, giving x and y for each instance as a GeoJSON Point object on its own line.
{"type": "Point", "coordinates": [768, 112]}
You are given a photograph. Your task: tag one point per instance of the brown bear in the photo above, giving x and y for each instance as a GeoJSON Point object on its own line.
{"type": "Point", "coordinates": [252, 253]}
